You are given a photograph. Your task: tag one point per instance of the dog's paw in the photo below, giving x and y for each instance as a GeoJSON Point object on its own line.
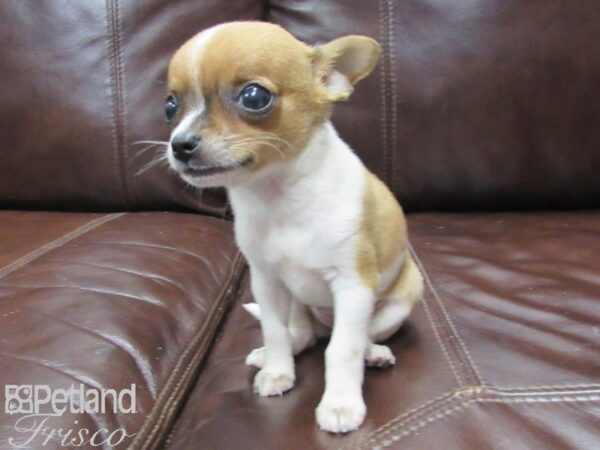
{"type": "Point", "coordinates": [256, 358]}
{"type": "Point", "coordinates": [269, 384]}
{"type": "Point", "coordinates": [379, 356]}
{"type": "Point", "coordinates": [341, 415]}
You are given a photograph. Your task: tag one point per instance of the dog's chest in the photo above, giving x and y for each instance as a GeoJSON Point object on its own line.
{"type": "Point", "coordinates": [298, 254]}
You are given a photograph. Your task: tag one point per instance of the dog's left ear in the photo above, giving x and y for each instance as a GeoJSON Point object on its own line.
{"type": "Point", "coordinates": [343, 62]}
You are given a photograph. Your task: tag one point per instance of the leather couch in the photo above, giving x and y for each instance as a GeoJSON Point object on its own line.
{"type": "Point", "coordinates": [482, 117]}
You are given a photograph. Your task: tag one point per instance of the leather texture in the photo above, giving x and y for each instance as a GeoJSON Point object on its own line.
{"type": "Point", "coordinates": [111, 300]}
{"type": "Point", "coordinates": [487, 105]}
{"type": "Point", "coordinates": [82, 89]}
{"type": "Point", "coordinates": [504, 351]}
{"type": "Point", "coordinates": [475, 105]}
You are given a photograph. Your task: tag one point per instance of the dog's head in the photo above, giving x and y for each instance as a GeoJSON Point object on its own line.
{"type": "Point", "coordinates": [244, 95]}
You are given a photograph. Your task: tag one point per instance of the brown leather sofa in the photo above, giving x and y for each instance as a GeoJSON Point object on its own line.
{"type": "Point", "coordinates": [109, 278]}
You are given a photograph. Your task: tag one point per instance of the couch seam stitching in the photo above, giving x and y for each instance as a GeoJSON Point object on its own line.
{"type": "Point", "coordinates": [168, 440]}
{"type": "Point", "coordinates": [463, 351]}
{"type": "Point", "coordinates": [207, 326]}
{"type": "Point", "coordinates": [56, 243]}
{"type": "Point", "coordinates": [383, 80]}
{"type": "Point", "coordinates": [401, 427]}
{"type": "Point", "coordinates": [434, 326]}
{"type": "Point", "coordinates": [441, 343]}
{"type": "Point", "coordinates": [409, 427]}
{"type": "Point", "coordinates": [392, 90]}
{"type": "Point", "coordinates": [122, 113]}
{"type": "Point", "coordinates": [117, 98]}
{"type": "Point", "coordinates": [159, 413]}
{"type": "Point", "coordinates": [442, 414]}
{"type": "Point", "coordinates": [198, 357]}
{"type": "Point", "coordinates": [557, 387]}
{"type": "Point", "coordinates": [442, 399]}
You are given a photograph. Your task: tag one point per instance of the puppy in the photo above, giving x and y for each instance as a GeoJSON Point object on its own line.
{"type": "Point", "coordinates": [325, 240]}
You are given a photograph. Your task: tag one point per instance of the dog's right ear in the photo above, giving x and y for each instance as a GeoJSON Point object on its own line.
{"type": "Point", "coordinates": [341, 63]}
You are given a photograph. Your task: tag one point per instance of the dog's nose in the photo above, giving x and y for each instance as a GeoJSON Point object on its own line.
{"type": "Point", "coordinates": [185, 145]}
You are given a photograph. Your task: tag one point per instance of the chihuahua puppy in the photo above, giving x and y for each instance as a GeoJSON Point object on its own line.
{"type": "Point", "coordinates": [325, 240]}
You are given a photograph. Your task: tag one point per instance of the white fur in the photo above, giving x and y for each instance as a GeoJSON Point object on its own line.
{"type": "Point", "coordinates": [297, 223]}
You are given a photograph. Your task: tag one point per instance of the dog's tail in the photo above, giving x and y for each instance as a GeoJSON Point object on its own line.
{"type": "Point", "coordinates": [253, 309]}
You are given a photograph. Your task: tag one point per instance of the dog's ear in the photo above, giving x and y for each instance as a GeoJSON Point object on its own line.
{"type": "Point", "coordinates": [343, 62]}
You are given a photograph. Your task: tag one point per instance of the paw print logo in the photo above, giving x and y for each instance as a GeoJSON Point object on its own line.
{"type": "Point", "coordinates": [18, 399]}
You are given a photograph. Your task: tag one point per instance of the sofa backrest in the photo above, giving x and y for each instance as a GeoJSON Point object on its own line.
{"type": "Point", "coordinates": [81, 82]}
{"type": "Point", "coordinates": [489, 104]}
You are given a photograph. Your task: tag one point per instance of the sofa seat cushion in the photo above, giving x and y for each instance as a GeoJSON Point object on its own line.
{"type": "Point", "coordinates": [504, 351]}
{"type": "Point", "coordinates": [107, 301]}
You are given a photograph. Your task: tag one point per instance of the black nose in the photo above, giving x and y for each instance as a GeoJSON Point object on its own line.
{"type": "Point", "coordinates": [184, 145]}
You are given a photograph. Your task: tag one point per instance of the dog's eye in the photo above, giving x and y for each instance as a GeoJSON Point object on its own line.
{"type": "Point", "coordinates": [255, 98]}
{"type": "Point", "coordinates": [171, 107]}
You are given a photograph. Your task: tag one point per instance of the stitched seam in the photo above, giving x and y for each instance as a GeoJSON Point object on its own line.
{"type": "Point", "coordinates": [122, 112]}
{"type": "Point", "coordinates": [551, 388]}
{"type": "Point", "coordinates": [423, 414]}
{"type": "Point", "coordinates": [169, 396]}
{"type": "Point", "coordinates": [442, 414]}
{"type": "Point", "coordinates": [515, 393]}
{"type": "Point", "coordinates": [117, 98]}
{"type": "Point", "coordinates": [534, 400]}
{"type": "Point", "coordinates": [441, 342]}
{"type": "Point", "coordinates": [429, 420]}
{"type": "Point", "coordinates": [59, 242]}
{"type": "Point", "coordinates": [230, 294]}
{"type": "Point", "coordinates": [460, 349]}
{"type": "Point", "coordinates": [434, 326]}
{"type": "Point", "coordinates": [238, 291]}
{"type": "Point", "coordinates": [414, 412]}
{"type": "Point", "coordinates": [439, 409]}
{"type": "Point", "coordinates": [392, 91]}
{"type": "Point", "coordinates": [207, 330]}
{"type": "Point", "coordinates": [383, 19]}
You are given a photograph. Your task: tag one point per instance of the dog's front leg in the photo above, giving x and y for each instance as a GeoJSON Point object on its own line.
{"type": "Point", "coordinates": [342, 407]}
{"type": "Point", "coordinates": [277, 374]}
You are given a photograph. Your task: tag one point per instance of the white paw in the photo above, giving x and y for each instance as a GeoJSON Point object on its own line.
{"type": "Point", "coordinates": [379, 356]}
{"type": "Point", "coordinates": [256, 358]}
{"type": "Point", "coordinates": [341, 415]}
{"type": "Point", "coordinates": [269, 384]}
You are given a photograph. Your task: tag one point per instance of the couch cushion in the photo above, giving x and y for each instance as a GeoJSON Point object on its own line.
{"type": "Point", "coordinates": [504, 351]}
{"type": "Point", "coordinates": [108, 301]}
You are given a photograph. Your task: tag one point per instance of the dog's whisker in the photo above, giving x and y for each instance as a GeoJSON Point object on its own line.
{"type": "Point", "coordinates": [153, 163]}
{"type": "Point", "coordinates": [252, 152]}
{"type": "Point", "coordinates": [165, 143]}
{"type": "Point", "coordinates": [273, 146]}
{"type": "Point", "coordinates": [144, 150]}
{"type": "Point", "coordinates": [259, 139]}
{"type": "Point", "coordinates": [243, 147]}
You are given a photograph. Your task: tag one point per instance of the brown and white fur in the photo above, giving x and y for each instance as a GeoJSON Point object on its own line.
{"type": "Point", "coordinates": [319, 231]}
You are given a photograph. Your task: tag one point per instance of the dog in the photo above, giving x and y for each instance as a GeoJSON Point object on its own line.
{"type": "Point", "coordinates": [325, 240]}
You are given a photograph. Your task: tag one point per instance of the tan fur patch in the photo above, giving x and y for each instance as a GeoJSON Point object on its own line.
{"type": "Point", "coordinates": [408, 285]}
{"type": "Point", "coordinates": [238, 53]}
{"type": "Point", "coordinates": [383, 233]}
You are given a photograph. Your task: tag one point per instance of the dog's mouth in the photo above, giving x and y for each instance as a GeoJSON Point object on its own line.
{"type": "Point", "coordinates": [204, 171]}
